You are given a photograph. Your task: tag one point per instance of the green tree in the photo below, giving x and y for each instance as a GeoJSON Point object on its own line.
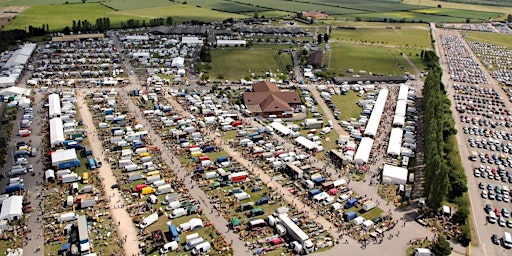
{"type": "Point", "coordinates": [326, 37]}
{"type": "Point", "coordinates": [441, 247]}
{"type": "Point", "coordinates": [319, 38]}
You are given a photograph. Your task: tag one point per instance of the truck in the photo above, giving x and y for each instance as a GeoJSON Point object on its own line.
{"type": "Point", "coordinates": [14, 188]}
{"type": "Point", "coordinates": [65, 217]}
{"type": "Point", "coordinates": [86, 189]}
{"type": "Point", "coordinates": [146, 222]}
{"type": "Point", "coordinates": [151, 179]}
{"type": "Point", "coordinates": [238, 176]}
{"type": "Point", "coordinates": [148, 190]}
{"type": "Point", "coordinates": [87, 202]}
{"type": "Point", "coordinates": [68, 178]}
{"type": "Point", "coordinates": [351, 202]}
{"type": "Point", "coordinates": [178, 213]}
{"type": "Point", "coordinates": [296, 233]}
{"type": "Point", "coordinates": [164, 189]}
{"type": "Point", "coordinates": [202, 248]}
{"type": "Point", "coordinates": [422, 252]}
{"type": "Point", "coordinates": [17, 172]}
{"type": "Point", "coordinates": [368, 205]}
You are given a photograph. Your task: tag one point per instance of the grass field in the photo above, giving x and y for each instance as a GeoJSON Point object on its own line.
{"type": "Point", "coordinates": [478, 15]}
{"type": "Point", "coordinates": [227, 6]}
{"type": "Point", "coordinates": [135, 4]}
{"type": "Point", "coordinates": [492, 38]}
{"type": "Point", "coordinates": [347, 104]}
{"type": "Point", "coordinates": [375, 59]}
{"type": "Point", "coordinates": [405, 37]}
{"type": "Point", "coordinates": [63, 15]}
{"type": "Point", "coordinates": [182, 12]}
{"type": "Point", "coordinates": [413, 16]}
{"type": "Point", "coordinates": [484, 8]}
{"type": "Point", "coordinates": [235, 63]}
{"type": "Point", "coordinates": [39, 2]}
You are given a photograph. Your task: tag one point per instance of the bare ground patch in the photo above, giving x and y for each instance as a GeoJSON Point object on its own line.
{"type": "Point", "coordinates": [7, 13]}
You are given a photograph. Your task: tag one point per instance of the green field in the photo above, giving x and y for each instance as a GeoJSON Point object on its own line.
{"type": "Point", "coordinates": [182, 12]}
{"type": "Point", "coordinates": [347, 104]}
{"type": "Point", "coordinates": [478, 15]}
{"type": "Point", "coordinates": [227, 6]}
{"type": "Point", "coordinates": [135, 4]}
{"type": "Point", "coordinates": [63, 15]}
{"type": "Point", "coordinates": [483, 8]}
{"type": "Point", "coordinates": [405, 37]}
{"type": "Point", "coordinates": [491, 38]}
{"type": "Point", "coordinates": [375, 59]}
{"type": "Point", "coordinates": [450, 15]}
{"type": "Point", "coordinates": [40, 2]}
{"type": "Point", "coordinates": [235, 63]}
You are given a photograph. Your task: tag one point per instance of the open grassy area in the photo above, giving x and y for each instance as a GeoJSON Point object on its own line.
{"type": "Point", "coordinates": [405, 37]}
{"type": "Point", "coordinates": [347, 104]}
{"type": "Point", "coordinates": [136, 4]}
{"type": "Point", "coordinates": [181, 12]}
{"type": "Point", "coordinates": [476, 14]}
{"type": "Point", "coordinates": [375, 59]}
{"type": "Point", "coordinates": [491, 38]}
{"type": "Point", "coordinates": [235, 63]}
{"type": "Point", "coordinates": [63, 15]}
{"type": "Point", "coordinates": [484, 8]}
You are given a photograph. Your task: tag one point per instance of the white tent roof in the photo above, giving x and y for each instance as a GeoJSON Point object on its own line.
{"type": "Point", "coordinates": [12, 208]}
{"type": "Point", "coordinates": [178, 62]}
{"type": "Point", "coordinates": [394, 174]}
{"type": "Point", "coordinates": [395, 142]}
{"type": "Point", "coordinates": [191, 40]}
{"type": "Point", "coordinates": [18, 91]}
{"type": "Point", "coordinates": [54, 109]}
{"type": "Point", "coordinates": [363, 151]}
{"type": "Point", "coordinates": [61, 156]}
{"type": "Point", "coordinates": [281, 128]}
{"type": "Point", "coordinates": [378, 108]}
{"type": "Point", "coordinates": [305, 142]}
{"type": "Point", "coordinates": [398, 120]}
{"type": "Point", "coordinates": [368, 223]}
{"type": "Point", "coordinates": [231, 42]}
{"type": "Point", "coordinates": [401, 108]}
{"type": "Point", "coordinates": [402, 93]}
{"type": "Point", "coordinates": [359, 220]}
{"type": "Point", "coordinates": [56, 132]}
{"type": "Point", "coordinates": [137, 37]}
{"type": "Point", "coordinates": [7, 81]}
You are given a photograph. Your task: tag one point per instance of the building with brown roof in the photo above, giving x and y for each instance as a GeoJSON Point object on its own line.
{"type": "Point", "coordinates": [267, 99]}
{"type": "Point", "coordinates": [316, 59]}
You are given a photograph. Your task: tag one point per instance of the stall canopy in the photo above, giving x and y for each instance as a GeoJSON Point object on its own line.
{"type": "Point", "coordinates": [280, 128]}
{"type": "Point", "coordinates": [196, 223]}
{"type": "Point", "coordinates": [12, 208]}
{"type": "Point", "coordinates": [303, 141]}
{"type": "Point", "coordinates": [394, 174]}
{"type": "Point", "coordinates": [363, 151]}
{"type": "Point", "coordinates": [62, 156]}
{"type": "Point", "coordinates": [54, 109]}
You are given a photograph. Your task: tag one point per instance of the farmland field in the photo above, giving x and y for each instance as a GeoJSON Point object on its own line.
{"type": "Point", "coordinates": [484, 8]}
{"type": "Point", "coordinates": [414, 16]}
{"type": "Point", "coordinates": [417, 38]}
{"type": "Point", "coordinates": [375, 59]}
{"type": "Point", "coordinates": [182, 12]}
{"type": "Point", "coordinates": [234, 64]}
{"type": "Point", "coordinates": [63, 15]}
{"type": "Point", "coordinates": [42, 2]}
{"type": "Point", "coordinates": [491, 38]}
{"type": "Point", "coordinates": [479, 15]}
{"type": "Point", "coordinates": [136, 4]}
{"type": "Point", "coordinates": [302, 6]}
{"type": "Point", "coordinates": [226, 6]}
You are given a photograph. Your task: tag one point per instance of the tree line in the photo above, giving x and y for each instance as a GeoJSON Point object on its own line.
{"type": "Point", "coordinates": [103, 24]}
{"type": "Point", "coordinates": [445, 178]}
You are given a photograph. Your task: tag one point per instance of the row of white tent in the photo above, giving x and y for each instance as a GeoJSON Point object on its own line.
{"type": "Point", "coordinates": [378, 109]}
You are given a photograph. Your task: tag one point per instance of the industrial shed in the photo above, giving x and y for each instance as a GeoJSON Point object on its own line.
{"type": "Point", "coordinates": [56, 132]}
{"type": "Point", "coordinates": [395, 142]}
{"type": "Point", "coordinates": [231, 42]}
{"type": "Point", "coordinates": [54, 109]}
{"type": "Point", "coordinates": [12, 208]}
{"type": "Point", "coordinates": [394, 175]}
{"type": "Point", "coordinates": [363, 151]}
{"type": "Point", "coordinates": [378, 108]}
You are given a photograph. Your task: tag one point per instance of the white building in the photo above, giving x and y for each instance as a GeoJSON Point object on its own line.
{"type": "Point", "coordinates": [394, 175]}
{"type": "Point", "coordinates": [12, 208]}
{"type": "Point", "coordinates": [231, 42]}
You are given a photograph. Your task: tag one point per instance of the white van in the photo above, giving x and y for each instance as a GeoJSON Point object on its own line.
{"type": "Point", "coordinates": [178, 213]}
{"type": "Point", "coordinates": [491, 217]}
{"type": "Point", "coordinates": [168, 247]}
{"type": "Point", "coordinates": [193, 242]}
{"type": "Point", "coordinates": [507, 240]}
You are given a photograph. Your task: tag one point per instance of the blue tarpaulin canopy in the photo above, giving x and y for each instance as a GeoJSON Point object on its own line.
{"type": "Point", "coordinates": [65, 247]}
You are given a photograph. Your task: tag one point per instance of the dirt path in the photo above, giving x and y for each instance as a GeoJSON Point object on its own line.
{"type": "Point", "coordinates": [122, 220]}
{"type": "Point", "coordinates": [327, 111]}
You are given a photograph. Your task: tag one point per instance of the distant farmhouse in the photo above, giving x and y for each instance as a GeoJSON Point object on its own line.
{"type": "Point", "coordinates": [267, 99]}
{"type": "Point", "coordinates": [316, 58]}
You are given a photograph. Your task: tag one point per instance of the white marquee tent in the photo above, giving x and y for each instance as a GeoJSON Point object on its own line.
{"type": "Point", "coordinates": [363, 151]}
{"type": "Point", "coordinates": [395, 142]}
{"type": "Point", "coordinates": [56, 132]}
{"type": "Point", "coordinates": [280, 128]}
{"type": "Point", "coordinates": [54, 109]}
{"type": "Point", "coordinates": [373, 122]}
{"type": "Point", "coordinates": [303, 141]}
{"type": "Point", "coordinates": [12, 208]}
{"type": "Point", "coordinates": [393, 174]}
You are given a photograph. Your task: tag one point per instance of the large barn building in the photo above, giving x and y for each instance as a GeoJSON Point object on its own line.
{"type": "Point", "coordinates": [267, 99]}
